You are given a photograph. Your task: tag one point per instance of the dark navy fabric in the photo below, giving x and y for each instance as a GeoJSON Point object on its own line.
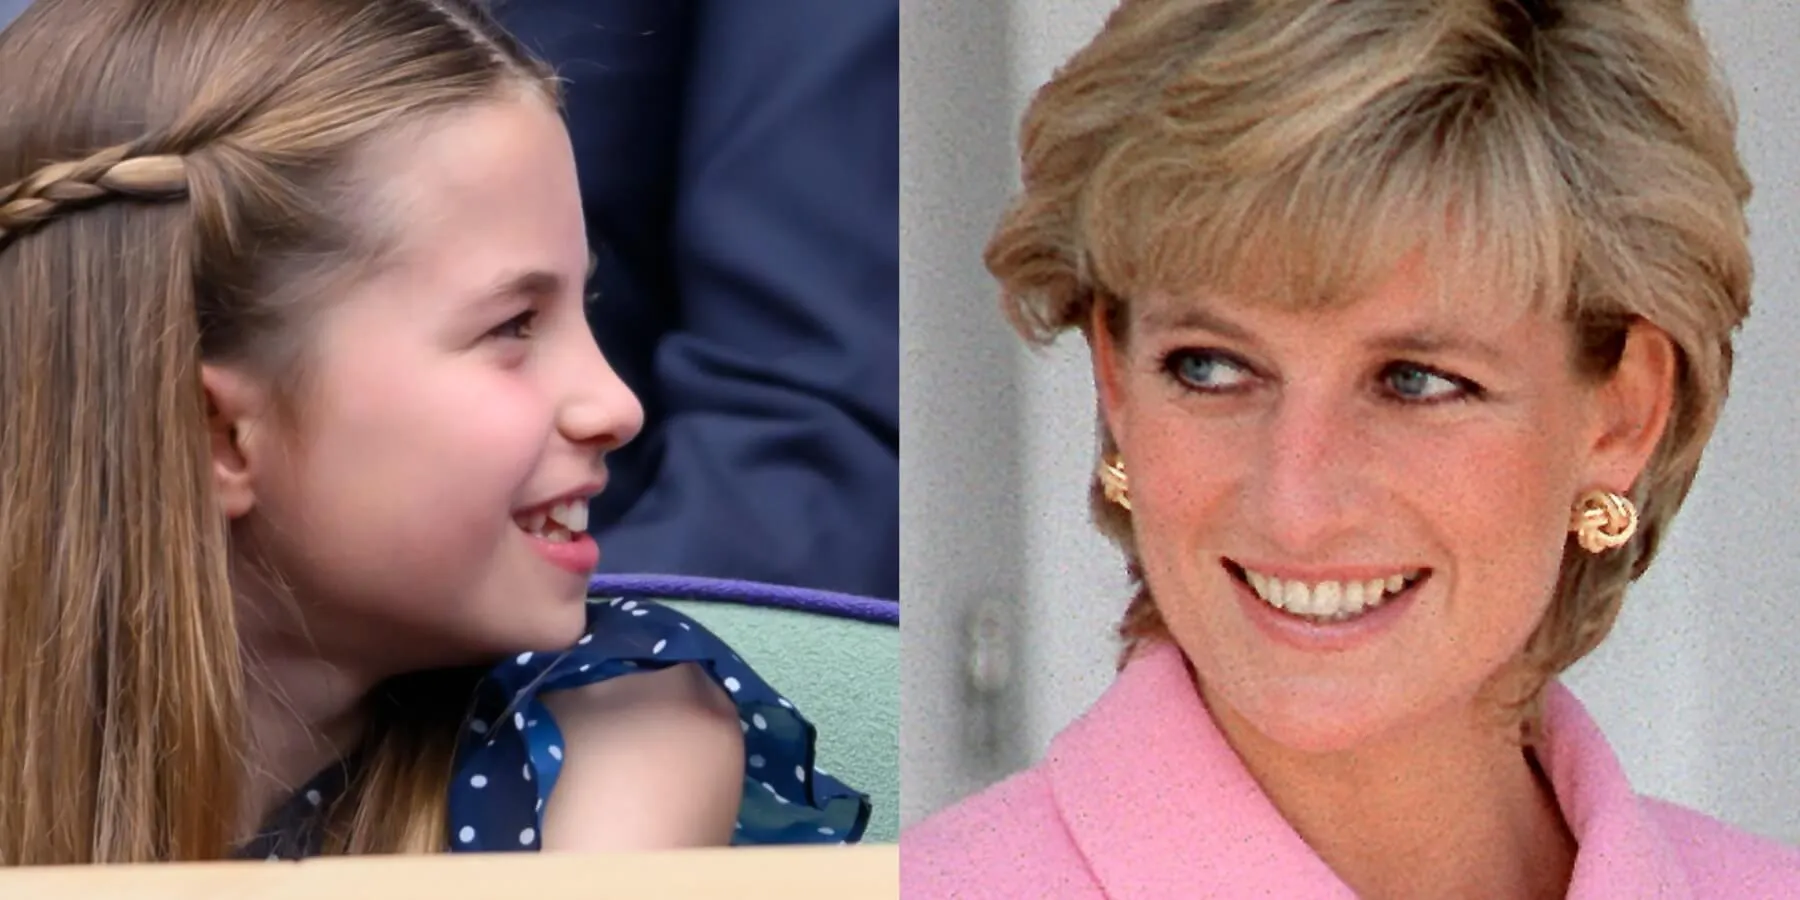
{"type": "Point", "coordinates": [512, 751]}
{"type": "Point", "coordinates": [739, 165]}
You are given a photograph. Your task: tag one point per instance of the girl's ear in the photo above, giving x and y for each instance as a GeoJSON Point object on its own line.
{"type": "Point", "coordinates": [235, 403]}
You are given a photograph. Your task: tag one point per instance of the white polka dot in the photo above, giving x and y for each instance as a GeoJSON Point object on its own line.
{"type": "Point", "coordinates": [783, 701]}
{"type": "Point", "coordinates": [732, 684]}
{"type": "Point", "coordinates": [584, 667]}
{"type": "Point", "coordinates": [826, 831]}
{"type": "Point", "coordinates": [800, 773]}
{"type": "Point", "coordinates": [761, 723]}
{"type": "Point", "coordinates": [659, 646]}
{"type": "Point", "coordinates": [526, 837]}
{"type": "Point", "coordinates": [820, 770]}
{"type": "Point", "coordinates": [466, 835]}
{"type": "Point", "coordinates": [629, 606]}
{"type": "Point", "coordinates": [614, 601]}
{"type": "Point", "coordinates": [756, 761]}
{"type": "Point", "coordinates": [519, 721]}
{"type": "Point", "coordinates": [478, 726]}
{"type": "Point", "coordinates": [685, 626]}
{"type": "Point", "coordinates": [781, 800]}
{"type": "Point", "coordinates": [530, 723]}
{"type": "Point", "coordinates": [585, 639]}
{"type": "Point", "coordinates": [768, 787]}
{"type": "Point", "coordinates": [479, 781]}
{"type": "Point", "coordinates": [314, 798]}
{"type": "Point", "coordinates": [274, 857]}
{"type": "Point", "coordinates": [523, 658]}
{"type": "Point", "coordinates": [527, 771]}
{"type": "Point", "coordinates": [745, 724]}
{"type": "Point", "coordinates": [640, 612]}
{"type": "Point", "coordinates": [555, 752]}
{"type": "Point", "coordinates": [540, 806]}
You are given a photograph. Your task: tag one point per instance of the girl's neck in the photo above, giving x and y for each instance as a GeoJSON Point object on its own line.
{"type": "Point", "coordinates": [304, 713]}
{"type": "Point", "coordinates": [1451, 808]}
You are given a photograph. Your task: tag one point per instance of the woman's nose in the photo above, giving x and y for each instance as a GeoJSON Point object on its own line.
{"type": "Point", "coordinates": [1304, 496]}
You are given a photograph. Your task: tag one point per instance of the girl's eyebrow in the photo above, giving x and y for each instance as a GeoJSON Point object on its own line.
{"type": "Point", "coordinates": [529, 284]}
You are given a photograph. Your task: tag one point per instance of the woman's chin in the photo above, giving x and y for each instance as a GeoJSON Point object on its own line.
{"type": "Point", "coordinates": [1317, 716]}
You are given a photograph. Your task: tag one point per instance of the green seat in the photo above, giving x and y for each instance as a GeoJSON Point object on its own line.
{"type": "Point", "coordinates": [843, 674]}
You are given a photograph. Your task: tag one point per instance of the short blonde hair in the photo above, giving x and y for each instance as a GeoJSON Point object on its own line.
{"type": "Point", "coordinates": [1580, 154]}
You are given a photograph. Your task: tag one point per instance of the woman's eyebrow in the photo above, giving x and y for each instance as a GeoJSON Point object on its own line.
{"type": "Point", "coordinates": [1429, 341]}
{"type": "Point", "coordinates": [1194, 318]}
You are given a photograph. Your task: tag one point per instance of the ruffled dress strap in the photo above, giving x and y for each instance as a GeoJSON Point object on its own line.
{"type": "Point", "coordinates": [511, 750]}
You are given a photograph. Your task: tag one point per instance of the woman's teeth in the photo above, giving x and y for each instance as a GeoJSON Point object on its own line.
{"type": "Point", "coordinates": [559, 523]}
{"type": "Point", "coordinates": [1328, 601]}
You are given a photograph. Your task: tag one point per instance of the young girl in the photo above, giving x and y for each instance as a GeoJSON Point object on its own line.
{"type": "Point", "coordinates": [299, 418]}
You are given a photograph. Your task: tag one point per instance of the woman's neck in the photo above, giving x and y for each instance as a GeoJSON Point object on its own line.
{"type": "Point", "coordinates": [1451, 808]}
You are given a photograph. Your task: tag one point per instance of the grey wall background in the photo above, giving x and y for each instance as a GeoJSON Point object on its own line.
{"type": "Point", "coordinates": [1695, 688]}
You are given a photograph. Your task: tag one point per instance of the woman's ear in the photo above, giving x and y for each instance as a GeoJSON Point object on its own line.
{"type": "Point", "coordinates": [1103, 349]}
{"type": "Point", "coordinates": [235, 403]}
{"type": "Point", "coordinates": [1632, 408]}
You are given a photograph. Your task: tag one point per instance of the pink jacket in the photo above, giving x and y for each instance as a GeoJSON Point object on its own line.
{"type": "Point", "coordinates": [1142, 798]}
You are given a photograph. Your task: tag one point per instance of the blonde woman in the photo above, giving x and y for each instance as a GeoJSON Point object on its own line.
{"type": "Point", "coordinates": [1409, 320]}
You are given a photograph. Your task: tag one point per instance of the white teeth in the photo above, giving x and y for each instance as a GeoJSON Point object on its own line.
{"type": "Point", "coordinates": [1296, 598]}
{"type": "Point", "coordinates": [572, 515]}
{"type": "Point", "coordinates": [1328, 600]}
{"type": "Point", "coordinates": [559, 523]}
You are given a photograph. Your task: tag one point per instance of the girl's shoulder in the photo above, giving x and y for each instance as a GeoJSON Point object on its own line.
{"type": "Point", "coordinates": [511, 752]}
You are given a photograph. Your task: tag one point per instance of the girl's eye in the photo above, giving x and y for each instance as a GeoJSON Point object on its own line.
{"type": "Point", "coordinates": [518, 327]}
{"type": "Point", "coordinates": [1412, 383]}
{"type": "Point", "coordinates": [1206, 370]}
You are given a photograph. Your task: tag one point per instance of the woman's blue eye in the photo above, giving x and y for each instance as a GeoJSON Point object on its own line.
{"type": "Point", "coordinates": [1206, 371]}
{"type": "Point", "coordinates": [1417, 383]}
{"type": "Point", "coordinates": [518, 327]}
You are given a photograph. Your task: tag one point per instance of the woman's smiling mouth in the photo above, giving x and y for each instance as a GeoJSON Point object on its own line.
{"type": "Point", "coordinates": [1326, 601]}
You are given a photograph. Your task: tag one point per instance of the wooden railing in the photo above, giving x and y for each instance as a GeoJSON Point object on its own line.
{"type": "Point", "coordinates": [731, 874]}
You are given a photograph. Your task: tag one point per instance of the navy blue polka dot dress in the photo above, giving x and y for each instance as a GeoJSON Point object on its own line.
{"type": "Point", "coordinates": [511, 751]}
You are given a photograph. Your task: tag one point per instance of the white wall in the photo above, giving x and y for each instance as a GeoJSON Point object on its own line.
{"type": "Point", "coordinates": [1695, 687]}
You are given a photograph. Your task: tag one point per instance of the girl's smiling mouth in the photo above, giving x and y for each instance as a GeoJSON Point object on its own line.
{"type": "Point", "coordinates": [558, 531]}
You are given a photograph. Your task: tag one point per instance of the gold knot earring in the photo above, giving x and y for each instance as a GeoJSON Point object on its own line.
{"type": "Point", "coordinates": [1113, 480]}
{"type": "Point", "coordinates": [1603, 520]}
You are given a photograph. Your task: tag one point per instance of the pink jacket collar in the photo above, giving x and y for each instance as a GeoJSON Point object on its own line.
{"type": "Point", "coordinates": [1182, 810]}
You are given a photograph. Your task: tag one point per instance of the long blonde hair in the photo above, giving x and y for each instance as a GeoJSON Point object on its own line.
{"type": "Point", "coordinates": [1577, 155]}
{"type": "Point", "coordinates": [176, 182]}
